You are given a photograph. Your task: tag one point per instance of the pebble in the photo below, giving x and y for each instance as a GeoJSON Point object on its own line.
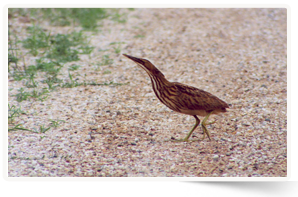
{"type": "Point", "coordinates": [215, 157]}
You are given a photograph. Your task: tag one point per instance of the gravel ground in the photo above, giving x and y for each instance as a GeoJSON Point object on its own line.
{"type": "Point", "coordinates": [239, 55]}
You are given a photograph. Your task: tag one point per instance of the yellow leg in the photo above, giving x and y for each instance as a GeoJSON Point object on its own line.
{"type": "Point", "coordinates": [194, 127]}
{"type": "Point", "coordinates": [204, 126]}
{"type": "Point", "coordinates": [210, 122]}
{"type": "Point", "coordinates": [191, 131]}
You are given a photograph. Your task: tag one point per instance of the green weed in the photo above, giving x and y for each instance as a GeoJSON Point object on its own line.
{"type": "Point", "coordinates": [139, 36]}
{"type": "Point", "coordinates": [74, 67]}
{"type": "Point", "coordinates": [42, 129]}
{"type": "Point", "coordinates": [40, 95]}
{"type": "Point", "coordinates": [17, 127]}
{"type": "Point", "coordinates": [37, 39]}
{"type": "Point", "coordinates": [18, 75]}
{"type": "Point", "coordinates": [12, 48]}
{"type": "Point", "coordinates": [12, 58]}
{"type": "Point", "coordinates": [31, 83]}
{"type": "Point", "coordinates": [55, 50]}
{"type": "Point", "coordinates": [111, 83]}
{"type": "Point", "coordinates": [62, 50]}
{"type": "Point", "coordinates": [86, 17]}
{"type": "Point", "coordinates": [52, 51]}
{"type": "Point", "coordinates": [14, 112]}
{"type": "Point", "coordinates": [22, 95]}
{"type": "Point", "coordinates": [107, 72]}
{"type": "Point", "coordinates": [56, 123]}
{"type": "Point", "coordinates": [106, 60]}
{"type": "Point", "coordinates": [72, 83]}
{"type": "Point", "coordinates": [117, 46]}
{"type": "Point", "coordinates": [51, 81]}
{"type": "Point", "coordinates": [86, 49]}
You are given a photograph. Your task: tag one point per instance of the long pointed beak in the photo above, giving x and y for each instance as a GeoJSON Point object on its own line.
{"type": "Point", "coordinates": [135, 59]}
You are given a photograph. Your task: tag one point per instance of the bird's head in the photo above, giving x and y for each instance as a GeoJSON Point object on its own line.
{"type": "Point", "coordinates": [146, 65]}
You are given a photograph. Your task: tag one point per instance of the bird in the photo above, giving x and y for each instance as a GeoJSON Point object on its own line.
{"type": "Point", "coordinates": [182, 98]}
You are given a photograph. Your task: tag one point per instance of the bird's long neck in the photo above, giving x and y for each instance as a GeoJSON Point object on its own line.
{"type": "Point", "coordinates": [162, 88]}
{"type": "Point", "coordinates": [157, 77]}
{"type": "Point", "coordinates": [159, 80]}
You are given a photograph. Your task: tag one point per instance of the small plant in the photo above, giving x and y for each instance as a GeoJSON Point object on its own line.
{"type": "Point", "coordinates": [38, 39]}
{"type": "Point", "coordinates": [14, 112]}
{"type": "Point", "coordinates": [31, 70]}
{"type": "Point", "coordinates": [72, 83]}
{"type": "Point", "coordinates": [18, 75]}
{"type": "Point", "coordinates": [86, 49]}
{"type": "Point", "coordinates": [139, 36]}
{"type": "Point", "coordinates": [22, 96]}
{"type": "Point", "coordinates": [17, 127]}
{"type": "Point", "coordinates": [62, 50]}
{"type": "Point", "coordinates": [31, 83]}
{"type": "Point", "coordinates": [119, 17]}
{"type": "Point", "coordinates": [42, 129]}
{"type": "Point", "coordinates": [107, 72]}
{"type": "Point", "coordinates": [106, 60]}
{"type": "Point", "coordinates": [57, 16]}
{"type": "Point", "coordinates": [66, 47]}
{"type": "Point", "coordinates": [74, 67]}
{"type": "Point", "coordinates": [106, 83]}
{"type": "Point", "coordinates": [12, 58]}
{"type": "Point", "coordinates": [12, 49]}
{"type": "Point", "coordinates": [111, 83]}
{"type": "Point", "coordinates": [56, 123]}
{"type": "Point", "coordinates": [88, 17]}
{"type": "Point", "coordinates": [85, 17]}
{"type": "Point", "coordinates": [42, 95]}
{"type": "Point", "coordinates": [117, 46]}
{"type": "Point", "coordinates": [50, 81]}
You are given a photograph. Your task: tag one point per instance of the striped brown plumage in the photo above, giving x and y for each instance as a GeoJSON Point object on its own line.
{"type": "Point", "coordinates": [182, 98]}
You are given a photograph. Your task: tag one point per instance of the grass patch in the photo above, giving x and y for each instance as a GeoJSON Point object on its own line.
{"type": "Point", "coordinates": [111, 83]}
{"type": "Point", "coordinates": [117, 46]}
{"type": "Point", "coordinates": [13, 113]}
{"type": "Point", "coordinates": [41, 129]}
{"type": "Point", "coordinates": [52, 51]}
{"type": "Point", "coordinates": [57, 50]}
{"type": "Point", "coordinates": [56, 123]}
{"type": "Point", "coordinates": [37, 39]}
{"type": "Point", "coordinates": [85, 17]}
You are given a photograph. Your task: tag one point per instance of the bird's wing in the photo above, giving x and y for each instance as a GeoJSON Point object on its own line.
{"type": "Point", "coordinates": [195, 99]}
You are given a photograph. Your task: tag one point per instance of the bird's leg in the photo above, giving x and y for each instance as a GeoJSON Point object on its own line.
{"type": "Point", "coordinates": [204, 126]}
{"type": "Point", "coordinates": [191, 131]}
{"type": "Point", "coordinates": [210, 122]}
{"type": "Point", "coordinates": [194, 127]}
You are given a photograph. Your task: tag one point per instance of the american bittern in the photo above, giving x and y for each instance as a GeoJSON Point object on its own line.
{"type": "Point", "coordinates": [182, 98]}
